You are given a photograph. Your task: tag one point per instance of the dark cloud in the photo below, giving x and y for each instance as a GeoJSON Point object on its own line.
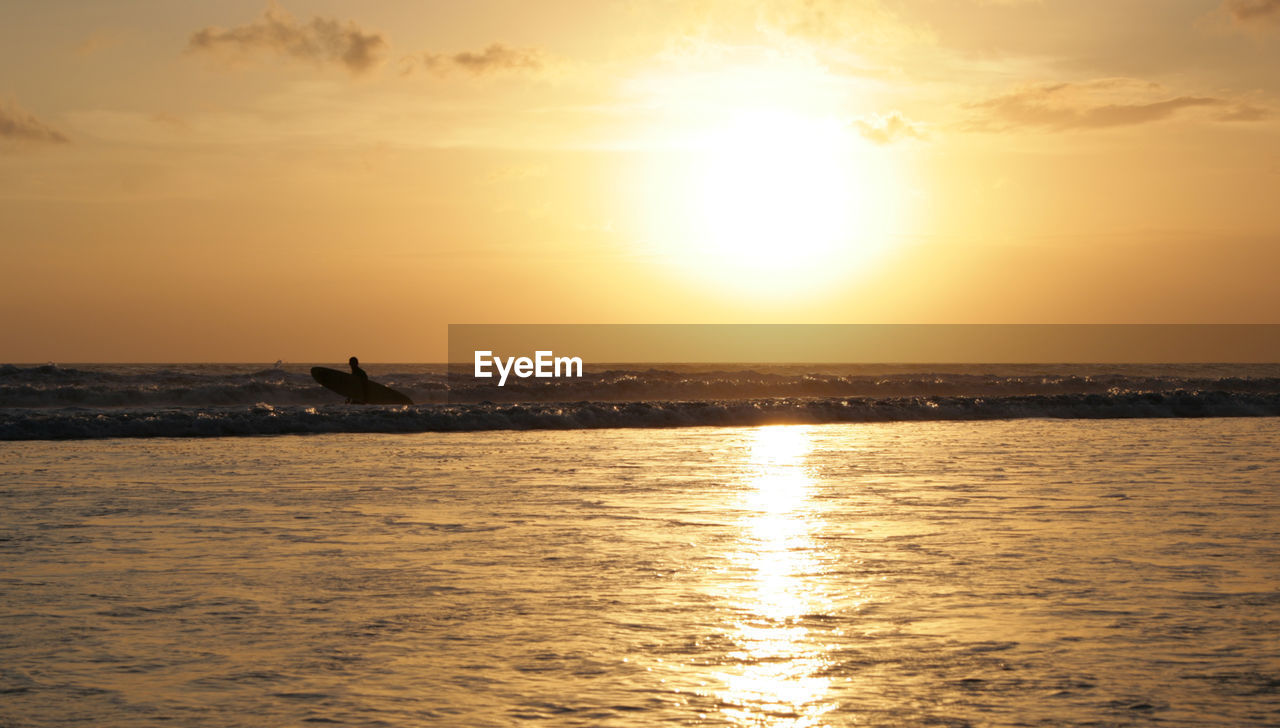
{"type": "Point", "coordinates": [887, 129]}
{"type": "Point", "coordinates": [1092, 105]}
{"type": "Point", "coordinates": [323, 40]}
{"type": "Point", "coordinates": [18, 125]}
{"type": "Point", "coordinates": [496, 58]}
{"type": "Point", "coordinates": [1252, 11]}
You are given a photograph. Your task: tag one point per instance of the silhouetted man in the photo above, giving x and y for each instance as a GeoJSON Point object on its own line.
{"type": "Point", "coordinates": [363, 378]}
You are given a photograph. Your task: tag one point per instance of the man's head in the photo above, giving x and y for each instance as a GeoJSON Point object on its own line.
{"type": "Point", "coordinates": [353, 362]}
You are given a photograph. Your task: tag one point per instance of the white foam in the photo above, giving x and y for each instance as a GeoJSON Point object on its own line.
{"type": "Point", "coordinates": [266, 419]}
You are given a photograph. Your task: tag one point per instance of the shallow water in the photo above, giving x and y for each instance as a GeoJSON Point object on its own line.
{"type": "Point", "coordinates": [999, 573]}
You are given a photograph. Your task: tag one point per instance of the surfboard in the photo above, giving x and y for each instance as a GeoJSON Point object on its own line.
{"type": "Point", "coordinates": [346, 384]}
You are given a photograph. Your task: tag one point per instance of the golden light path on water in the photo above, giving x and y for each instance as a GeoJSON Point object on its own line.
{"type": "Point", "coordinates": [1000, 574]}
{"type": "Point", "coordinates": [777, 680]}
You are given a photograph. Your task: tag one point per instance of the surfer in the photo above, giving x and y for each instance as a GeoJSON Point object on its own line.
{"type": "Point", "coordinates": [363, 378]}
{"type": "Point", "coordinates": [357, 387]}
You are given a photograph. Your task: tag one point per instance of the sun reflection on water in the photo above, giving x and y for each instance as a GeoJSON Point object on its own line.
{"type": "Point", "coordinates": [775, 678]}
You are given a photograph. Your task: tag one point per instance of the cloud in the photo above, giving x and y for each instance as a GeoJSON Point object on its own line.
{"type": "Point", "coordinates": [176, 122]}
{"type": "Point", "coordinates": [1253, 11]}
{"type": "Point", "coordinates": [887, 129]}
{"type": "Point", "coordinates": [863, 23]}
{"type": "Point", "coordinates": [18, 125]}
{"type": "Point", "coordinates": [497, 58]}
{"type": "Point", "coordinates": [322, 40]}
{"type": "Point", "coordinates": [99, 40]}
{"type": "Point", "coordinates": [1098, 104]}
{"type": "Point", "coordinates": [1246, 112]}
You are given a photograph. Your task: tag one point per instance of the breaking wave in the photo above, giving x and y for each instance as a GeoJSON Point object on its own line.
{"type": "Point", "coordinates": [227, 385]}
{"type": "Point", "coordinates": [217, 400]}
{"type": "Point", "coordinates": [267, 419]}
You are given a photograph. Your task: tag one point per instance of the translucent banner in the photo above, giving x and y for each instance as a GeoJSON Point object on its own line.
{"type": "Point", "coordinates": [515, 362]}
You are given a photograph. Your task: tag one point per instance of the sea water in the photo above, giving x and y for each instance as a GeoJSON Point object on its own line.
{"type": "Point", "coordinates": [82, 401]}
{"type": "Point", "coordinates": [1015, 572]}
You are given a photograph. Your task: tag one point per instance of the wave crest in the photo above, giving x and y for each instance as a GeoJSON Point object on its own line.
{"type": "Point", "coordinates": [268, 419]}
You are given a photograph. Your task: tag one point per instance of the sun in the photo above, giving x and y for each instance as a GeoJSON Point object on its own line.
{"type": "Point", "coordinates": [753, 179]}
{"type": "Point", "coordinates": [776, 192]}
{"type": "Point", "coordinates": [772, 202]}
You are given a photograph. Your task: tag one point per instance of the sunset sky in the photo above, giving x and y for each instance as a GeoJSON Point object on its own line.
{"type": "Point", "coordinates": [240, 181]}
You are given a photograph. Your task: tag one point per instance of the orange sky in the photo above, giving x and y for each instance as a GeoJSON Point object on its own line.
{"type": "Point", "coordinates": [306, 180]}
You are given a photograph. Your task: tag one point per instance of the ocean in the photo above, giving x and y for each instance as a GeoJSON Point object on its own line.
{"type": "Point", "coordinates": [226, 545]}
{"type": "Point", "coordinates": [216, 400]}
